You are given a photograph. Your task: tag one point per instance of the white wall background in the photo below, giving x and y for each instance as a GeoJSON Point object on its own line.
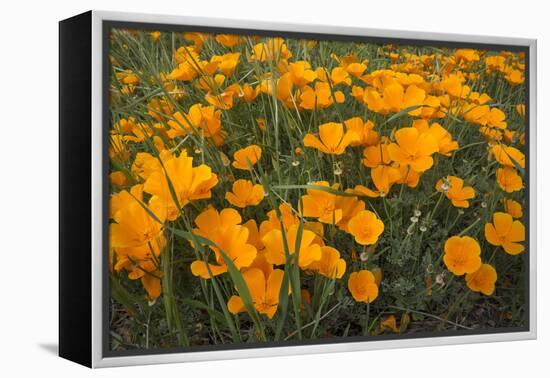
{"type": "Point", "coordinates": [28, 185]}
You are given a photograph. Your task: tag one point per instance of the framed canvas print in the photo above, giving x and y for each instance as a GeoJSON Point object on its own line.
{"type": "Point", "coordinates": [235, 189]}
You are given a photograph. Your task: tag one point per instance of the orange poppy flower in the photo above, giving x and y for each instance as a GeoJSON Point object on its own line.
{"type": "Point", "coordinates": [146, 271]}
{"type": "Point", "coordinates": [456, 191]}
{"type": "Point", "coordinates": [330, 265]}
{"type": "Point", "coordinates": [228, 40]}
{"type": "Point", "coordinates": [513, 208]}
{"type": "Point", "coordinates": [225, 230]}
{"type": "Point", "coordinates": [366, 227]}
{"type": "Point", "coordinates": [288, 219]}
{"type": "Point", "coordinates": [333, 139]}
{"type": "Point", "coordinates": [350, 206]}
{"type": "Point", "coordinates": [413, 149]}
{"type": "Point", "coordinates": [264, 291]}
{"type": "Point", "coordinates": [364, 130]}
{"type": "Point", "coordinates": [509, 180]}
{"type": "Point", "coordinates": [322, 205]}
{"type": "Point", "coordinates": [520, 108]}
{"type": "Point", "coordinates": [506, 232]}
{"type": "Point", "coordinates": [408, 176]}
{"type": "Point", "coordinates": [118, 178]}
{"type": "Point", "coordinates": [362, 286]}
{"type": "Point", "coordinates": [249, 93]}
{"type": "Point", "coordinates": [376, 155]}
{"type": "Point", "coordinates": [273, 49]}
{"type": "Point", "coordinates": [462, 255]}
{"type": "Point", "coordinates": [508, 156]}
{"type": "Point", "coordinates": [134, 226]}
{"type": "Point", "coordinates": [301, 73]}
{"type": "Point", "coordinates": [444, 139]}
{"type": "Point", "coordinates": [482, 280]}
{"type": "Point", "coordinates": [384, 176]}
{"type": "Point", "coordinates": [245, 194]}
{"type": "Point", "coordinates": [247, 157]}
{"type": "Point", "coordinates": [395, 98]}
{"type": "Point", "coordinates": [185, 179]}
{"type": "Point", "coordinates": [340, 76]}
{"type": "Point", "coordinates": [275, 250]}
{"type": "Point", "coordinates": [319, 97]}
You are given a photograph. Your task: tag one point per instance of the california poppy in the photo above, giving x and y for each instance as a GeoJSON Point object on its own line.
{"type": "Point", "coordinates": [245, 193]}
{"type": "Point", "coordinates": [309, 251]}
{"type": "Point", "coordinates": [330, 265]}
{"type": "Point", "coordinates": [263, 290]}
{"type": "Point", "coordinates": [482, 280]}
{"type": "Point", "coordinates": [333, 140]}
{"type": "Point", "coordinates": [321, 204]}
{"type": "Point", "coordinates": [462, 255]}
{"type": "Point", "coordinates": [366, 227]}
{"type": "Point", "coordinates": [456, 191]}
{"type": "Point", "coordinates": [247, 157]}
{"type": "Point", "coordinates": [506, 232]}
{"type": "Point", "coordinates": [362, 286]}
{"type": "Point", "coordinates": [413, 149]}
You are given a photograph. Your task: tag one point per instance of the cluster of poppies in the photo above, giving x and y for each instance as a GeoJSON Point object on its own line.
{"type": "Point", "coordinates": [207, 140]}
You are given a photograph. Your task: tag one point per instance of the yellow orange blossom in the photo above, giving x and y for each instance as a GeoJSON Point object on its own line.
{"type": "Point", "coordinates": [508, 156]}
{"type": "Point", "coordinates": [288, 219]}
{"type": "Point", "coordinates": [224, 229]}
{"type": "Point", "coordinates": [350, 206]}
{"type": "Point", "coordinates": [275, 249]}
{"type": "Point", "coordinates": [122, 198]}
{"type": "Point", "coordinates": [366, 227]}
{"type": "Point", "coordinates": [249, 93]}
{"type": "Point", "coordinates": [462, 255]}
{"type": "Point", "coordinates": [264, 291]}
{"type": "Point", "coordinates": [246, 157]}
{"type": "Point", "coordinates": [408, 176]}
{"type": "Point", "coordinates": [413, 149]}
{"type": "Point", "coordinates": [376, 155]}
{"type": "Point", "coordinates": [506, 232]}
{"type": "Point", "coordinates": [185, 180]}
{"type": "Point", "coordinates": [146, 272]}
{"type": "Point", "coordinates": [134, 226]}
{"type": "Point", "coordinates": [228, 40]}
{"type": "Point", "coordinates": [390, 324]}
{"type": "Point", "coordinates": [454, 189]}
{"type": "Point", "coordinates": [444, 139]}
{"type": "Point", "coordinates": [301, 73]}
{"type": "Point", "coordinates": [118, 178]}
{"type": "Point", "coordinates": [272, 49]}
{"type": "Point", "coordinates": [321, 204]}
{"type": "Point", "coordinates": [330, 265]}
{"type": "Point", "coordinates": [333, 140]}
{"type": "Point", "coordinates": [245, 193]}
{"type": "Point", "coordinates": [207, 119]}
{"type": "Point", "coordinates": [482, 280]}
{"type": "Point", "coordinates": [362, 286]}
{"type": "Point", "coordinates": [384, 176]}
{"type": "Point", "coordinates": [364, 130]}
{"type": "Point", "coordinates": [319, 97]}
{"type": "Point", "coordinates": [513, 208]}
{"type": "Point", "coordinates": [508, 179]}
{"type": "Point", "coordinates": [395, 98]}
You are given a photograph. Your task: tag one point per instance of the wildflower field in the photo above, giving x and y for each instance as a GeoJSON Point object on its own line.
{"type": "Point", "coordinates": [278, 189]}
